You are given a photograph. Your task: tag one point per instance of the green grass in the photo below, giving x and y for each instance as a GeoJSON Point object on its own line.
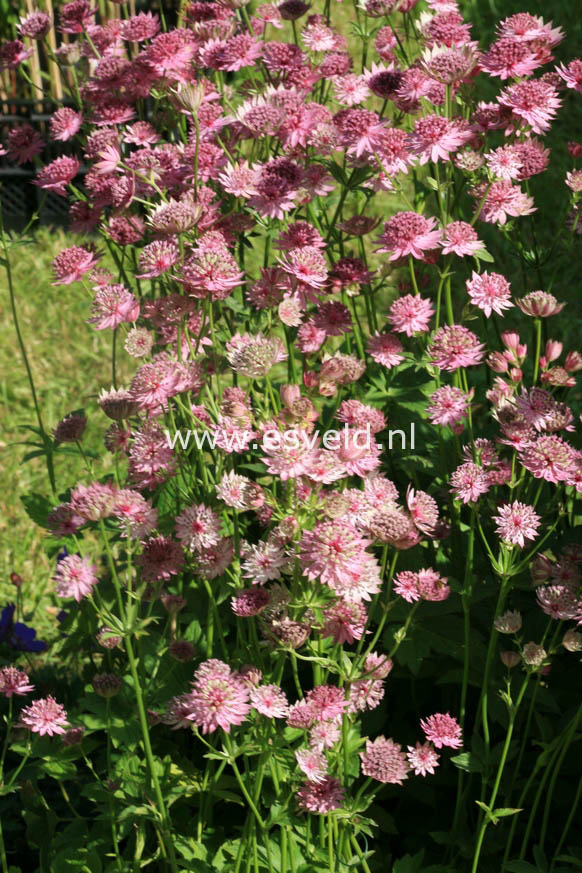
{"type": "Point", "coordinates": [70, 362]}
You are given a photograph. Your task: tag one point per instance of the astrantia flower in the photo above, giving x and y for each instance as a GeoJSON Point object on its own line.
{"type": "Point", "coordinates": [560, 602]}
{"type": "Point", "coordinates": [75, 577]}
{"type": "Point", "coordinates": [508, 623]}
{"type": "Point", "coordinates": [386, 349]}
{"type": "Point", "coordinates": [509, 58]}
{"type": "Point", "coordinates": [307, 265]}
{"type": "Point", "coordinates": [263, 562]}
{"type": "Point", "coordinates": [550, 458]}
{"type": "Point", "coordinates": [504, 199]}
{"type": "Point", "coordinates": [360, 130]}
{"type": "Point", "coordinates": [448, 406]}
{"type": "Point", "coordinates": [540, 304]}
{"type": "Point", "coordinates": [455, 346]}
{"type": "Point", "coordinates": [331, 551]}
{"type": "Point", "coordinates": [23, 144]}
{"type": "Point", "coordinates": [44, 716]}
{"type": "Point", "coordinates": [198, 527]}
{"type": "Point", "coordinates": [517, 522]}
{"type": "Point", "coordinates": [423, 759]}
{"type": "Point", "coordinates": [58, 174]}
{"type": "Point", "coordinates": [12, 54]}
{"type": "Point", "coordinates": [384, 761]}
{"type": "Point", "coordinates": [408, 233]}
{"type": "Point", "coordinates": [505, 162]}
{"type": "Point", "coordinates": [344, 622]}
{"type": "Point", "coordinates": [490, 292]}
{"type": "Point", "coordinates": [219, 698]}
{"type": "Point", "coordinates": [313, 763]}
{"type": "Point", "coordinates": [14, 681]}
{"type": "Point", "coordinates": [250, 601]}
{"type": "Point", "coordinates": [410, 314]}
{"type": "Point", "coordinates": [157, 258]}
{"type": "Point", "coordinates": [434, 138]}
{"type": "Point", "coordinates": [112, 306]}
{"type": "Point", "coordinates": [572, 74]}
{"type": "Point", "coordinates": [326, 702]}
{"type": "Point", "coordinates": [161, 558]}
{"type": "Point", "coordinates": [253, 356]}
{"type": "Point", "coordinates": [442, 729]}
{"type": "Point", "coordinates": [461, 239]}
{"type": "Point", "coordinates": [270, 701]}
{"type": "Point", "coordinates": [70, 265]}
{"type": "Point", "coordinates": [534, 102]}
{"type": "Point", "coordinates": [468, 482]}
{"type": "Point", "coordinates": [65, 123]}
{"type": "Point", "coordinates": [321, 798]}
{"type": "Point", "coordinates": [35, 25]}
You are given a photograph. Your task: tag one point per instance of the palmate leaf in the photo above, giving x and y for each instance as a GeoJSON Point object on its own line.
{"type": "Point", "coordinates": [37, 507]}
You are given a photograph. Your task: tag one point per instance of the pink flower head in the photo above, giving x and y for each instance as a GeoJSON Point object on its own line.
{"type": "Point", "coordinates": [534, 102]}
{"type": "Point", "coordinates": [408, 233]}
{"type": "Point", "coordinates": [44, 716]}
{"type": "Point", "coordinates": [423, 759]}
{"type": "Point", "coordinates": [540, 304]}
{"type": "Point", "coordinates": [490, 292]}
{"type": "Point", "coordinates": [14, 681]}
{"type": "Point", "coordinates": [219, 697]}
{"type": "Point", "coordinates": [509, 58]}
{"type": "Point", "coordinates": [468, 482]}
{"type": "Point", "coordinates": [550, 458]}
{"type": "Point", "coordinates": [313, 763]}
{"type": "Point", "coordinates": [58, 174]}
{"type": "Point", "coordinates": [270, 701]}
{"type": "Point", "coordinates": [65, 123]}
{"type": "Point", "coordinates": [455, 346]}
{"type": "Point", "coordinates": [434, 138]}
{"type": "Point", "coordinates": [572, 74]}
{"type": "Point", "coordinates": [386, 349]}
{"type": "Point", "coordinates": [307, 265]}
{"type": "Point", "coordinates": [410, 314]}
{"type": "Point", "coordinates": [23, 144]}
{"type": "Point", "coordinates": [448, 406]}
{"type": "Point", "coordinates": [461, 239]}
{"type": "Point", "coordinates": [344, 621]}
{"type": "Point", "coordinates": [113, 305]}
{"type": "Point", "coordinates": [384, 761]}
{"type": "Point", "coordinates": [442, 729]}
{"type": "Point", "coordinates": [198, 528]}
{"type": "Point", "coordinates": [75, 577]}
{"type": "Point", "coordinates": [321, 798]}
{"type": "Point", "coordinates": [326, 702]}
{"type": "Point", "coordinates": [70, 265]}
{"type": "Point", "coordinates": [517, 522]}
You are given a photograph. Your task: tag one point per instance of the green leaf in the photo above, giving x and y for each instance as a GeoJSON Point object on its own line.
{"type": "Point", "coordinates": [504, 811]}
{"type": "Point", "coordinates": [409, 864]}
{"type": "Point", "coordinates": [37, 508]}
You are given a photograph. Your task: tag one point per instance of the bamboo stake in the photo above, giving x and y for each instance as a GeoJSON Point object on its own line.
{"type": "Point", "coordinates": [54, 72]}
{"type": "Point", "coordinates": [35, 67]}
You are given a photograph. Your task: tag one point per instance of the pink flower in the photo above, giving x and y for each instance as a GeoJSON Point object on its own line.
{"type": "Point", "coordinates": [14, 681]}
{"type": "Point", "coordinates": [307, 265]}
{"type": "Point", "coordinates": [321, 798]}
{"type": "Point", "coordinates": [70, 265]}
{"type": "Point", "coordinates": [408, 233]}
{"type": "Point", "coordinates": [571, 74]}
{"type": "Point", "coordinates": [423, 759]}
{"type": "Point", "coordinates": [65, 123]}
{"type": "Point", "coordinates": [313, 763]}
{"type": "Point", "coordinates": [505, 162]}
{"type": "Point", "coordinates": [461, 239]}
{"type": "Point", "coordinates": [517, 522]}
{"type": "Point", "coordinates": [58, 174]}
{"type": "Point", "coordinates": [442, 730]}
{"type": "Point", "coordinates": [360, 130]}
{"type": "Point", "coordinates": [410, 314]}
{"type": "Point", "coordinates": [44, 716]}
{"type": "Point", "coordinates": [113, 305]}
{"type": "Point", "coordinates": [509, 58]}
{"type": "Point", "coordinates": [490, 292]}
{"type": "Point", "coordinates": [344, 621]}
{"type": "Point", "coordinates": [198, 527]}
{"type": "Point", "coordinates": [455, 346]}
{"type": "Point", "coordinates": [434, 138]}
{"type": "Point", "coordinates": [270, 701]}
{"type": "Point", "coordinates": [219, 698]}
{"type": "Point", "coordinates": [448, 406]}
{"type": "Point", "coordinates": [534, 102]}
{"type": "Point", "coordinates": [75, 577]}
{"type": "Point", "coordinates": [326, 702]}
{"type": "Point", "coordinates": [386, 349]}
{"type": "Point", "coordinates": [540, 304]}
{"type": "Point", "coordinates": [504, 199]}
{"type": "Point", "coordinates": [161, 558]}
{"type": "Point", "coordinates": [468, 482]}
{"type": "Point", "coordinates": [550, 458]}
{"type": "Point", "coordinates": [384, 761]}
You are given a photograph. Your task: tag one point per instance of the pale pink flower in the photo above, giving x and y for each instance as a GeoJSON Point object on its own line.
{"type": "Point", "coordinates": [434, 138]}
{"type": "Point", "coordinates": [270, 701]}
{"type": "Point", "coordinates": [517, 522]}
{"type": "Point", "coordinates": [411, 314]}
{"type": "Point", "coordinates": [490, 292]}
{"type": "Point", "coordinates": [219, 697]}
{"type": "Point", "coordinates": [448, 406]}
{"type": "Point", "coordinates": [534, 102]}
{"type": "Point", "coordinates": [321, 798]}
{"type": "Point", "coordinates": [423, 759]}
{"type": "Point", "coordinates": [198, 527]}
{"type": "Point", "coordinates": [461, 239]}
{"type": "Point", "coordinates": [468, 482]}
{"type": "Point", "coordinates": [455, 346]}
{"type": "Point", "coordinates": [75, 577]}
{"type": "Point", "coordinates": [442, 730]}
{"type": "Point", "coordinates": [386, 349]}
{"type": "Point", "coordinates": [313, 763]}
{"type": "Point", "coordinates": [44, 716]}
{"type": "Point", "coordinates": [408, 233]}
{"type": "Point", "coordinates": [14, 681]}
{"type": "Point", "coordinates": [384, 761]}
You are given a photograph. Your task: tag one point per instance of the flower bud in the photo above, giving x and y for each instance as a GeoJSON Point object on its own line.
{"type": "Point", "coordinates": [533, 655]}
{"type": "Point", "coordinates": [510, 659]}
{"type": "Point", "coordinates": [553, 350]}
{"type": "Point", "coordinates": [508, 623]}
{"type": "Point", "coordinates": [572, 641]}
